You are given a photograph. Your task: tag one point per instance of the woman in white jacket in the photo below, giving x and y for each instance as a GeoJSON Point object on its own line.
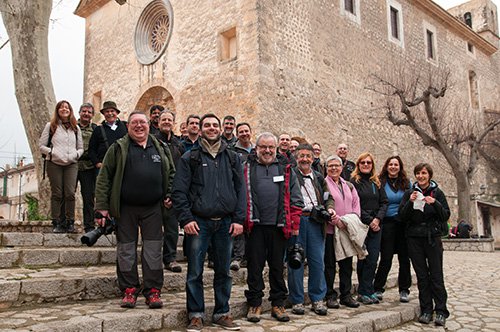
{"type": "Point", "coordinates": [61, 143]}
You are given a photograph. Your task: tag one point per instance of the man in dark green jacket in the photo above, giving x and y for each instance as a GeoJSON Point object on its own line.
{"type": "Point", "coordinates": [134, 187]}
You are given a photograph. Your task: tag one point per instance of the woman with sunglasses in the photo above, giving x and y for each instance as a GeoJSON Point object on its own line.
{"type": "Point", "coordinates": [373, 201]}
{"type": "Point", "coordinates": [425, 209]}
{"type": "Point", "coordinates": [395, 182]}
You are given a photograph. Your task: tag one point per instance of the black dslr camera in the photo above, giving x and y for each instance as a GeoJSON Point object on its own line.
{"type": "Point", "coordinates": [295, 254]}
{"type": "Point", "coordinates": [91, 237]}
{"type": "Point", "coordinates": [319, 214]}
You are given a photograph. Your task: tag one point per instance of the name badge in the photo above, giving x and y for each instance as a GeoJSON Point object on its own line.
{"type": "Point", "coordinates": [278, 178]}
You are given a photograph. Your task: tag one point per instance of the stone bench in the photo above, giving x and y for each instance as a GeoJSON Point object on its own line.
{"type": "Point", "coordinates": [485, 245]}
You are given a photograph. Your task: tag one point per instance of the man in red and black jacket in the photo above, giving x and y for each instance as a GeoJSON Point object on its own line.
{"type": "Point", "coordinates": [274, 206]}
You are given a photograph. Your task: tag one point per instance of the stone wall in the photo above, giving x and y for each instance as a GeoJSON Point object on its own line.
{"type": "Point", "coordinates": [36, 226]}
{"type": "Point", "coordinates": [487, 245]}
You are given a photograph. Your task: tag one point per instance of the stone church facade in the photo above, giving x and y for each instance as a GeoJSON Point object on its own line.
{"type": "Point", "coordinates": [301, 67]}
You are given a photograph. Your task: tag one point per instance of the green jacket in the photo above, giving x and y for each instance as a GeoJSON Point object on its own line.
{"type": "Point", "coordinates": [109, 181]}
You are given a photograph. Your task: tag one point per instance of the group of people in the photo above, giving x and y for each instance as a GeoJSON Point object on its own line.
{"type": "Point", "coordinates": [245, 204]}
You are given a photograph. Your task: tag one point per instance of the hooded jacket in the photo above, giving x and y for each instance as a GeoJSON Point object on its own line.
{"type": "Point", "coordinates": [290, 199]}
{"type": "Point", "coordinates": [425, 223]}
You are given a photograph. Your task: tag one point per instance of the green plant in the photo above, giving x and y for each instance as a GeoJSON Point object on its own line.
{"type": "Point", "coordinates": [32, 210]}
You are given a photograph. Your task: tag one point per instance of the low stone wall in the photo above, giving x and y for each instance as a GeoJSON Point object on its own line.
{"type": "Point", "coordinates": [38, 226]}
{"type": "Point", "coordinates": [487, 245]}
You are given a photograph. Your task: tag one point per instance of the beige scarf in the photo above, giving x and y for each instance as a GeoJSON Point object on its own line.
{"type": "Point", "coordinates": [212, 149]}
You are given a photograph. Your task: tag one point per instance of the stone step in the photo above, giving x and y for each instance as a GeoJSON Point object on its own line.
{"type": "Point", "coordinates": [106, 315]}
{"type": "Point", "coordinates": [33, 257]}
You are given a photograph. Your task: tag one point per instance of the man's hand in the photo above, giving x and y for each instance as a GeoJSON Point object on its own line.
{"type": "Point", "coordinates": [295, 232]}
{"type": "Point", "coordinates": [191, 228]}
{"type": "Point", "coordinates": [98, 165]}
{"type": "Point", "coordinates": [102, 221]}
{"type": "Point", "coordinates": [167, 202]}
{"type": "Point", "coordinates": [375, 225]}
{"type": "Point", "coordinates": [235, 229]}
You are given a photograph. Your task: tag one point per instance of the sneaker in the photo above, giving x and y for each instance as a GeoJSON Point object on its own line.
{"type": "Point", "coordinates": [174, 267]}
{"type": "Point", "coordinates": [319, 308]}
{"type": "Point", "coordinates": [425, 318]}
{"type": "Point", "coordinates": [375, 299]}
{"type": "Point", "coordinates": [280, 314]}
{"type": "Point", "coordinates": [153, 299]}
{"type": "Point", "coordinates": [365, 299]}
{"type": "Point", "coordinates": [349, 302]}
{"type": "Point", "coordinates": [332, 303]}
{"type": "Point", "coordinates": [195, 324]}
{"type": "Point", "coordinates": [130, 298]}
{"type": "Point", "coordinates": [440, 320]}
{"type": "Point", "coordinates": [379, 295]}
{"type": "Point", "coordinates": [253, 314]}
{"type": "Point", "coordinates": [227, 323]}
{"type": "Point", "coordinates": [404, 296]}
{"type": "Point", "coordinates": [235, 266]}
{"type": "Point", "coordinates": [298, 309]}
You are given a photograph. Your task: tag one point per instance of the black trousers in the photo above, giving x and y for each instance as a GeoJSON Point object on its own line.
{"type": "Point", "coordinates": [149, 219]}
{"type": "Point", "coordinates": [427, 261]}
{"type": "Point", "coordinates": [239, 248]}
{"type": "Point", "coordinates": [170, 236]}
{"type": "Point", "coordinates": [393, 242]}
{"type": "Point", "coordinates": [345, 271]}
{"type": "Point", "coordinates": [87, 187]}
{"type": "Point", "coordinates": [266, 243]}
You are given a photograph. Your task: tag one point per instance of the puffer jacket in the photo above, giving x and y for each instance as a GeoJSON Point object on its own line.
{"type": "Point", "coordinates": [65, 147]}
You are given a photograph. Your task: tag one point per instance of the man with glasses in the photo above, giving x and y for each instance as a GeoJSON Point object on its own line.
{"type": "Point", "coordinates": [273, 186]}
{"type": "Point", "coordinates": [349, 166]}
{"type": "Point", "coordinates": [134, 187]}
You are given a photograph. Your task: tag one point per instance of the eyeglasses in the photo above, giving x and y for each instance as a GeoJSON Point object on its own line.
{"type": "Point", "coordinates": [334, 166]}
{"type": "Point", "coordinates": [266, 147]}
{"type": "Point", "coordinates": [365, 162]}
{"type": "Point", "coordinates": [135, 123]}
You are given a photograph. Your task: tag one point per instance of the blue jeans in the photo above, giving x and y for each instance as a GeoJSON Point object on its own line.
{"type": "Point", "coordinates": [312, 240]}
{"type": "Point", "coordinates": [366, 267]}
{"type": "Point", "coordinates": [216, 233]}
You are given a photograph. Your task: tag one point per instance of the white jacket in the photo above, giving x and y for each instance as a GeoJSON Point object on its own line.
{"type": "Point", "coordinates": [350, 241]}
{"type": "Point", "coordinates": [66, 145]}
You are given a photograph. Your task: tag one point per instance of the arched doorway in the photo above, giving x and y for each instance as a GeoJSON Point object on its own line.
{"type": "Point", "coordinates": [156, 95]}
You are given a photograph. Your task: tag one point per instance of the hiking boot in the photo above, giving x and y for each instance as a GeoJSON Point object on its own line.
{"type": "Point", "coordinates": [425, 318]}
{"type": "Point", "coordinates": [153, 299]}
{"type": "Point", "coordinates": [58, 226]}
{"type": "Point", "coordinates": [332, 303]}
{"type": "Point", "coordinates": [365, 299]}
{"type": "Point", "coordinates": [349, 302]}
{"type": "Point", "coordinates": [298, 309]}
{"type": "Point", "coordinates": [319, 308]}
{"type": "Point", "coordinates": [280, 314]}
{"type": "Point", "coordinates": [195, 325]}
{"type": "Point", "coordinates": [173, 266]}
{"type": "Point", "coordinates": [440, 320]}
{"type": "Point", "coordinates": [71, 226]}
{"type": "Point", "coordinates": [253, 314]}
{"type": "Point", "coordinates": [227, 323]}
{"type": "Point", "coordinates": [130, 298]}
{"type": "Point", "coordinates": [375, 299]}
{"type": "Point", "coordinates": [404, 296]}
{"type": "Point", "coordinates": [235, 266]}
{"type": "Point", "coordinates": [379, 295]}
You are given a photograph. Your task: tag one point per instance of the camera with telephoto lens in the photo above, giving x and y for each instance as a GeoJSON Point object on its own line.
{"type": "Point", "coordinates": [319, 214]}
{"type": "Point", "coordinates": [91, 237]}
{"type": "Point", "coordinates": [295, 256]}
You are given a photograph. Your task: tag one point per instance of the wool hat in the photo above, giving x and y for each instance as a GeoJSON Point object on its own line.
{"type": "Point", "coordinates": [109, 104]}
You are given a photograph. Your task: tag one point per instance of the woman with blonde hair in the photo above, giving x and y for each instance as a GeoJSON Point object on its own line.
{"type": "Point", "coordinates": [373, 201]}
{"type": "Point", "coordinates": [61, 143]}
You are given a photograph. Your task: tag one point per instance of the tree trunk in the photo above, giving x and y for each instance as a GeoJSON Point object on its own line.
{"type": "Point", "coordinates": [463, 195]}
{"type": "Point", "coordinates": [27, 23]}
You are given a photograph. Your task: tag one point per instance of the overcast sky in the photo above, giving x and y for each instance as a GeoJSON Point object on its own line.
{"type": "Point", "coordinates": [66, 48]}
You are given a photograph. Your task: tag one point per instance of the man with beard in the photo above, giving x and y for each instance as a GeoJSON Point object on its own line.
{"type": "Point", "coordinates": [284, 153]}
{"type": "Point", "coordinates": [133, 187]}
{"type": "Point", "coordinates": [269, 223]}
{"type": "Point", "coordinates": [311, 234]}
{"type": "Point", "coordinates": [154, 117]}
{"type": "Point", "coordinates": [209, 196]}
{"type": "Point", "coordinates": [193, 132]}
{"type": "Point", "coordinates": [170, 224]}
{"type": "Point", "coordinates": [349, 166]}
{"type": "Point", "coordinates": [228, 124]}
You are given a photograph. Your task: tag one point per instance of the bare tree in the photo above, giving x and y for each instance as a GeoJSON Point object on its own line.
{"type": "Point", "coordinates": [417, 100]}
{"type": "Point", "coordinates": [27, 24]}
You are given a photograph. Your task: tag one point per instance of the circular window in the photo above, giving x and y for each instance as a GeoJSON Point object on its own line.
{"type": "Point", "coordinates": [153, 31]}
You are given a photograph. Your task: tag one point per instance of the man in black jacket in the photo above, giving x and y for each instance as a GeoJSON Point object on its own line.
{"type": "Point", "coordinates": [209, 196]}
